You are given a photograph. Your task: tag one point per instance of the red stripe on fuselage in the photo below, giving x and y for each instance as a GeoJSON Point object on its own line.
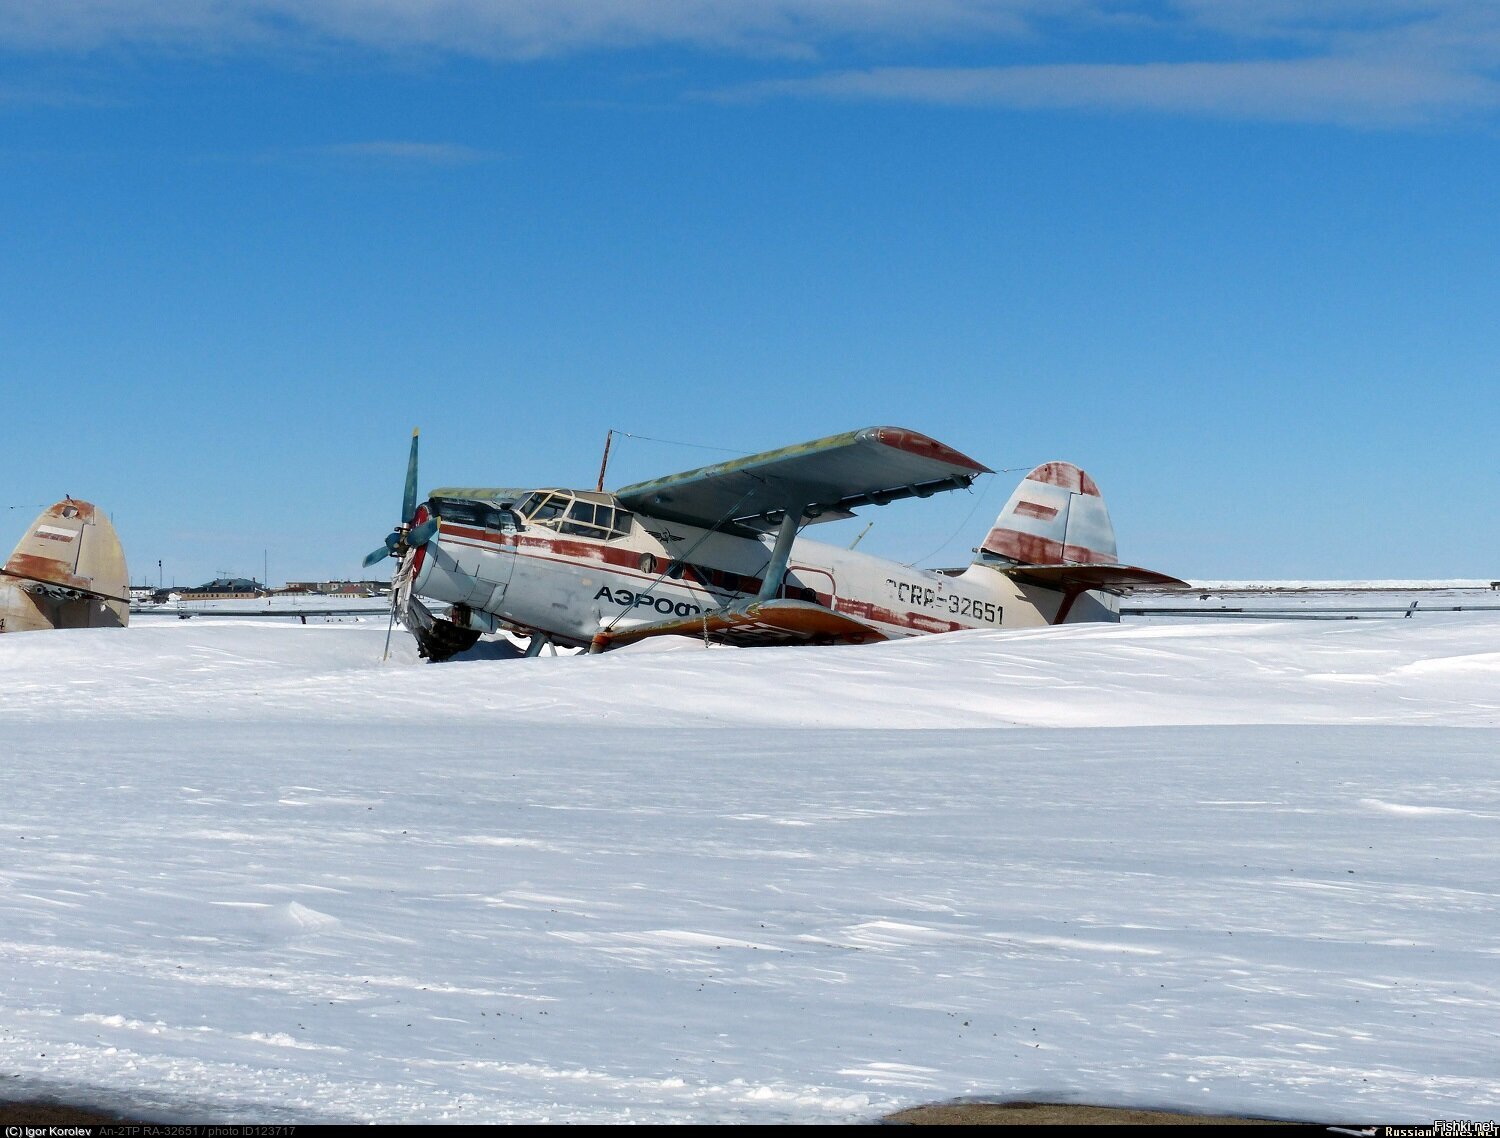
{"type": "Point", "coordinates": [626, 563]}
{"type": "Point", "coordinates": [565, 547]}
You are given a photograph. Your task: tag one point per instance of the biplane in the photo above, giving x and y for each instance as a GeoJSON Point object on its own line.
{"type": "Point", "coordinates": [719, 554]}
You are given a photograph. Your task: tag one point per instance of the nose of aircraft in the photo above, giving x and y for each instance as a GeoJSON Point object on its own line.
{"type": "Point", "coordinates": [411, 532]}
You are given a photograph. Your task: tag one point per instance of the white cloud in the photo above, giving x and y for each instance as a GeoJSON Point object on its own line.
{"type": "Point", "coordinates": [502, 28]}
{"type": "Point", "coordinates": [414, 153]}
{"type": "Point", "coordinates": [1322, 89]}
{"type": "Point", "coordinates": [1348, 61]}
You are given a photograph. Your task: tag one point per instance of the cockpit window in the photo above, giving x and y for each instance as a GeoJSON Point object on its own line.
{"type": "Point", "coordinates": [594, 515]}
{"type": "Point", "coordinates": [552, 506]}
{"type": "Point", "coordinates": [594, 519]}
{"type": "Point", "coordinates": [580, 521]}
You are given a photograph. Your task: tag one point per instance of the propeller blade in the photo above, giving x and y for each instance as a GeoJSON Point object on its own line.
{"type": "Point", "coordinates": [422, 534]}
{"type": "Point", "coordinates": [392, 548]}
{"type": "Point", "coordinates": [409, 502]}
{"type": "Point", "coordinates": [395, 543]}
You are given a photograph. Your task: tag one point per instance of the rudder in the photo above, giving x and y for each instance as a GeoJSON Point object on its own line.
{"type": "Point", "coordinates": [1056, 516]}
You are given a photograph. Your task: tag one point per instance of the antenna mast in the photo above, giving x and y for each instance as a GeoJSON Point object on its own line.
{"type": "Point", "coordinates": [605, 462]}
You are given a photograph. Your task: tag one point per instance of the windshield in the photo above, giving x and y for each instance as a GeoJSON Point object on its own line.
{"type": "Point", "coordinates": [595, 515]}
{"type": "Point", "coordinates": [543, 504]}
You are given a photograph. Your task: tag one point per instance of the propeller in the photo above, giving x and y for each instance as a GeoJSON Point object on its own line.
{"type": "Point", "coordinates": [409, 533]}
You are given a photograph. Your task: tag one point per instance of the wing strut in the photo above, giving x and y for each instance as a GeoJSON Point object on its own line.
{"type": "Point", "coordinates": [766, 617]}
{"type": "Point", "coordinates": [781, 553]}
{"type": "Point", "coordinates": [602, 637]}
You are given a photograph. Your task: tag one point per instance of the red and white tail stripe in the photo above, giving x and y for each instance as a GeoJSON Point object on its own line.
{"type": "Point", "coordinates": [1055, 517]}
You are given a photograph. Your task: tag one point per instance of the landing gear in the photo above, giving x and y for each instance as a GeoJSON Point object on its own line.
{"type": "Point", "coordinates": [537, 642]}
{"type": "Point", "coordinates": [437, 639]}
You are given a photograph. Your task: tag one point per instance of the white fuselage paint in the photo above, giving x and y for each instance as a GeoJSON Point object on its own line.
{"type": "Point", "coordinates": [570, 587]}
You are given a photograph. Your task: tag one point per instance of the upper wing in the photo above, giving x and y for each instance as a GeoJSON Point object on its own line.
{"type": "Point", "coordinates": [830, 477]}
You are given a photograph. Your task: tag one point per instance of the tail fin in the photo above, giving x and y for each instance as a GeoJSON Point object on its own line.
{"type": "Point", "coordinates": [67, 572]}
{"type": "Point", "coordinates": [1055, 517]}
{"type": "Point", "coordinates": [1055, 533]}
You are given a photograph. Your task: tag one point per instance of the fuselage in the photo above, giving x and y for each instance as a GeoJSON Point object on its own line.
{"type": "Point", "coordinates": [569, 564]}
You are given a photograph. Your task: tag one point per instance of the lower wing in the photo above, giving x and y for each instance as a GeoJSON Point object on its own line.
{"type": "Point", "coordinates": [752, 623]}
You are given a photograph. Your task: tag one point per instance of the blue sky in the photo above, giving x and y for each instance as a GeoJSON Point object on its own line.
{"type": "Point", "coordinates": [1236, 261]}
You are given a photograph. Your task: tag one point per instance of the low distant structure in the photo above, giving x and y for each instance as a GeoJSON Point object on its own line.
{"type": "Point", "coordinates": [237, 595]}
{"type": "Point", "coordinates": [221, 589]}
{"type": "Point", "coordinates": [337, 588]}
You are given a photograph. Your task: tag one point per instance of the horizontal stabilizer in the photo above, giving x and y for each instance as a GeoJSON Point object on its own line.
{"type": "Point", "coordinates": [1106, 578]}
{"type": "Point", "coordinates": [752, 623]}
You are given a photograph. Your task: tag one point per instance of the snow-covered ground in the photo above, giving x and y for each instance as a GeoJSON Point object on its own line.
{"type": "Point", "coordinates": [1313, 599]}
{"type": "Point", "coordinates": [309, 603]}
{"type": "Point", "coordinates": [1419, 587]}
{"type": "Point", "coordinates": [252, 873]}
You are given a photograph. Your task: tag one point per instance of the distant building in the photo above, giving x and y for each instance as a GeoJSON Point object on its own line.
{"type": "Point", "coordinates": [338, 588]}
{"type": "Point", "coordinates": [222, 588]}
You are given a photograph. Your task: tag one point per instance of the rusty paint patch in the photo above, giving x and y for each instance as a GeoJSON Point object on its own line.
{"type": "Point", "coordinates": [45, 570]}
{"type": "Point", "coordinates": [913, 442]}
{"type": "Point", "coordinates": [916, 621]}
{"type": "Point", "coordinates": [1035, 510]}
{"type": "Point", "coordinates": [1032, 549]}
{"type": "Point", "coordinates": [70, 510]}
{"type": "Point", "coordinates": [1067, 476]}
